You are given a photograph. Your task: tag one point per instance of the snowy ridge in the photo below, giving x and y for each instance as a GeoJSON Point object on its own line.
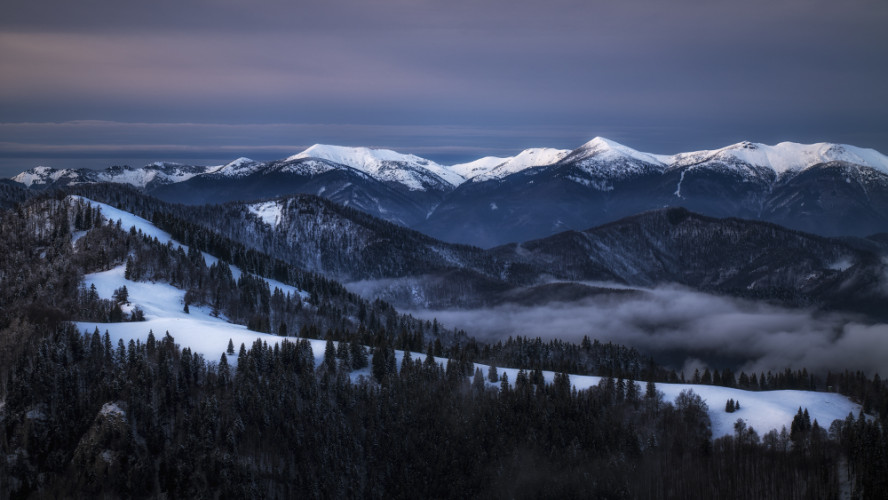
{"type": "Point", "coordinates": [162, 173]}
{"type": "Point", "coordinates": [602, 149]}
{"type": "Point", "coordinates": [785, 156]}
{"type": "Point", "coordinates": [240, 167]}
{"type": "Point", "coordinates": [529, 158]}
{"type": "Point", "coordinates": [418, 174]}
{"type": "Point", "coordinates": [605, 159]}
{"type": "Point", "coordinates": [43, 175]}
{"type": "Point", "coordinates": [307, 167]}
{"type": "Point", "coordinates": [479, 166]}
{"type": "Point", "coordinates": [600, 159]}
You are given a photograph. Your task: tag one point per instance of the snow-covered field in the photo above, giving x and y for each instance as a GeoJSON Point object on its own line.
{"type": "Point", "coordinates": [205, 334]}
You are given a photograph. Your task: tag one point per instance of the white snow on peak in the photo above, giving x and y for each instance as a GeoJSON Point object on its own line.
{"type": "Point", "coordinates": [529, 158]}
{"type": "Point", "coordinates": [307, 167]}
{"type": "Point", "coordinates": [238, 168]}
{"type": "Point", "coordinates": [41, 175]}
{"type": "Point", "coordinates": [786, 156]}
{"type": "Point", "coordinates": [604, 150]}
{"type": "Point", "coordinates": [385, 165]}
{"type": "Point", "coordinates": [269, 212]}
{"type": "Point", "coordinates": [479, 166]}
{"type": "Point", "coordinates": [135, 177]}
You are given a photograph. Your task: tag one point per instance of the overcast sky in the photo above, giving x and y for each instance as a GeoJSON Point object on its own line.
{"type": "Point", "coordinates": [97, 82]}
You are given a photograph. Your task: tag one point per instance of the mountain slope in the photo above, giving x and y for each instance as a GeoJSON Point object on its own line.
{"type": "Point", "coordinates": [730, 256]}
{"type": "Point", "coordinates": [726, 255]}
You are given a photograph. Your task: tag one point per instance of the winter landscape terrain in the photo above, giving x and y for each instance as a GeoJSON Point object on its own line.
{"type": "Point", "coordinates": [444, 249]}
{"type": "Point", "coordinates": [209, 335]}
{"type": "Point", "coordinates": [664, 334]}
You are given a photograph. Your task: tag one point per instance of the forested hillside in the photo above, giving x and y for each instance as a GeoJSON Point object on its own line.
{"type": "Point", "coordinates": [728, 256]}
{"type": "Point", "coordinates": [152, 418]}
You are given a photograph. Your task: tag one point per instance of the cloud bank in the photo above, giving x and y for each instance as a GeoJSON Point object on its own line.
{"type": "Point", "coordinates": [693, 328]}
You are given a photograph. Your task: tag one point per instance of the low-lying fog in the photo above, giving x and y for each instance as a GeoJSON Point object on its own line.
{"type": "Point", "coordinates": [688, 329]}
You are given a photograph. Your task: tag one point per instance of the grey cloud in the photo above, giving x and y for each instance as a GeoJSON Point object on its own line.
{"type": "Point", "coordinates": [703, 327]}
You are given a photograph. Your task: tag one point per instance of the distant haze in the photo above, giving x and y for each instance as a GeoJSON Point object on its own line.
{"type": "Point", "coordinates": [693, 329]}
{"type": "Point", "coordinates": [105, 82]}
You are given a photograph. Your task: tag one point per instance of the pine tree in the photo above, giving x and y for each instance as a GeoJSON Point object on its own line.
{"type": "Point", "coordinates": [492, 374]}
{"type": "Point", "coordinates": [378, 364]}
{"type": "Point", "coordinates": [230, 349]}
{"type": "Point", "coordinates": [358, 355]}
{"type": "Point", "coordinates": [330, 355]}
{"type": "Point", "coordinates": [224, 369]}
{"type": "Point", "coordinates": [478, 381]}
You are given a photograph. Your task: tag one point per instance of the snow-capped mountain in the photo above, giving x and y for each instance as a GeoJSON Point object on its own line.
{"type": "Point", "coordinates": [240, 167]}
{"type": "Point", "coordinates": [411, 171]}
{"type": "Point", "coordinates": [782, 158]}
{"type": "Point", "coordinates": [604, 158]}
{"type": "Point", "coordinates": [147, 177]}
{"type": "Point", "coordinates": [830, 189]}
{"type": "Point", "coordinates": [493, 167]}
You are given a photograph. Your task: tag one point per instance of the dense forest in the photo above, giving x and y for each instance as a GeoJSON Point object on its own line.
{"type": "Point", "coordinates": [153, 419]}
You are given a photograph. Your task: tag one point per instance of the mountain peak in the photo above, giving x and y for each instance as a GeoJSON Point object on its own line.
{"type": "Point", "coordinates": [416, 173]}
{"type": "Point", "coordinates": [237, 168]}
{"type": "Point", "coordinates": [600, 150]}
{"type": "Point", "coordinates": [41, 175]}
{"type": "Point", "coordinates": [786, 156]}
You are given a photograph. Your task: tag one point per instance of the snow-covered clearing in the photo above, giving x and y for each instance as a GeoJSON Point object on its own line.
{"type": "Point", "coordinates": [268, 212]}
{"type": "Point", "coordinates": [164, 305]}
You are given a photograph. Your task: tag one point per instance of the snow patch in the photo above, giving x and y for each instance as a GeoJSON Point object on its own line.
{"type": "Point", "coordinates": [269, 212]}
{"type": "Point", "coordinates": [112, 409]}
{"type": "Point", "coordinates": [842, 264]}
{"type": "Point", "coordinates": [678, 187]}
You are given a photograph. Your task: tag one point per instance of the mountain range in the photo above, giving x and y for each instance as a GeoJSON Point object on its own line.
{"type": "Point", "coordinates": [827, 189]}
